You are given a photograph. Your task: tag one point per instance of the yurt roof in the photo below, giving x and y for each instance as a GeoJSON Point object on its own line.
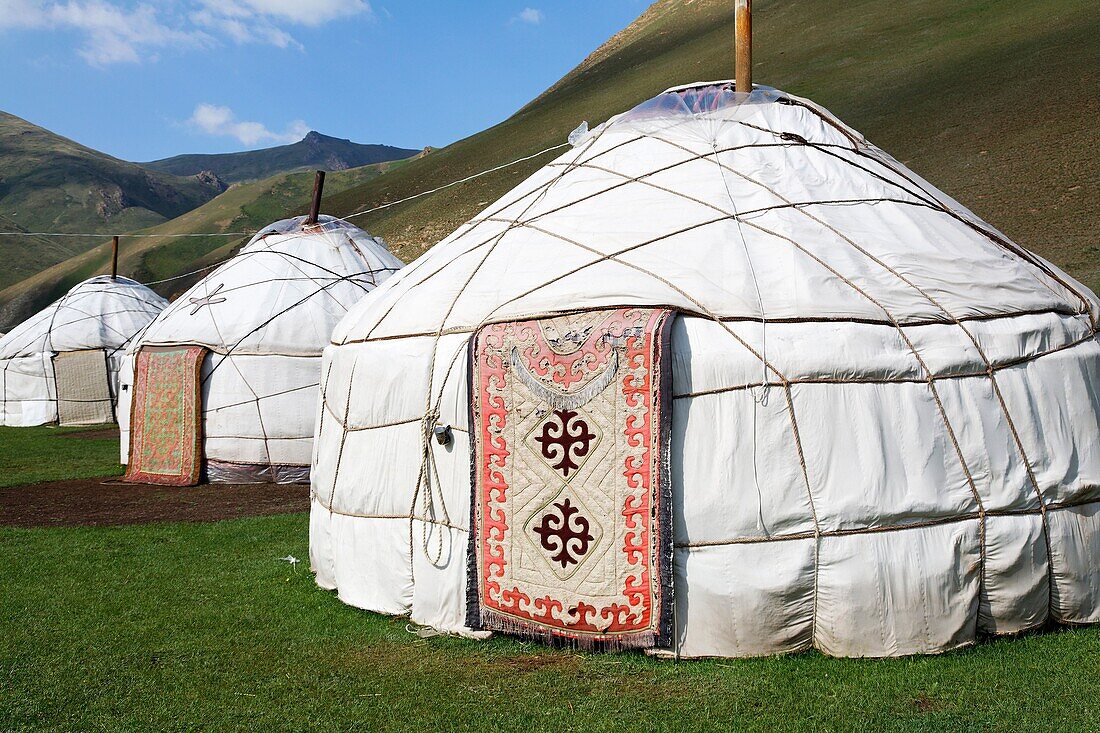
{"type": "Point", "coordinates": [282, 293]}
{"type": "Point", "coordinates": [730, 206]}
{"type": "Point", "coordinates": [99, 313]}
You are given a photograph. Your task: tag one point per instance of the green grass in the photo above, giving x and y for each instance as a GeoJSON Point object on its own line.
{"type": "Point", "coordinates": [188, 627]}
{"type": "Point", "coordinates": [201, 626]}
{"type": "Point", "coordinates": [48, 453]}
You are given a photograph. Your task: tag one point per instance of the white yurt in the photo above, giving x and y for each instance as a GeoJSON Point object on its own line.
{"type": "Point", "coordinates": [724, 379]}
{"type": "Point", "coordinates": [62, 363]}
{"type": "Point", "coordinates": [223, 384]}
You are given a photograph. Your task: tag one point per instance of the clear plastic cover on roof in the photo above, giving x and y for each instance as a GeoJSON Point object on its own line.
{"type": "Point", "coordinates": [324, 223]}
{"type": "Point", "coordinates": [699, 99]}
{"type": "Point", "coordinates": [697, 111]}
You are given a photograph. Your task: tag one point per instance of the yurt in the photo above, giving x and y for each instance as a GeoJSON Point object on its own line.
{"type": "Point", "coordinates": [61, 364]}
{"type": "Point", "coordinates": [223, 384]}
{"type": "Point", "coordinates": [724, 379]}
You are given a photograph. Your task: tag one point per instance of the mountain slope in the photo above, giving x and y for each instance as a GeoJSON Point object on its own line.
{"type": "Point", "coordinates": [245, 207]}
{"type": "Point", "coordinates": [991, 101]}
{"type": "Point", "coordinates": [314, 151]}
{"type": "Point", "coordinates": [50, 183]}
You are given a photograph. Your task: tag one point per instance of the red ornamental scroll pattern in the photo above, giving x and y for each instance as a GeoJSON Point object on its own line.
{"type": "Point", "coordinates": [634, 608]}
{"type": "Point", "coordinates": [494, 419]}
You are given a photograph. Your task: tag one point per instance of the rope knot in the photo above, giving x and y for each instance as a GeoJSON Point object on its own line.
{"type": "Point", "coordinates": [431, 419]}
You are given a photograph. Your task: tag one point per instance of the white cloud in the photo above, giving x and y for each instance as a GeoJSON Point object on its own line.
{"type": "Point", "coordinates": [303, 12]}
{"type": "Point", "coordinates": [243, 29]}
{"type": "Point", "coordinates": [19, 14]}
{"type": "Point", "coordinates": [532, 16]}
{"type": "Point", "coordinates": [213, 119]}
{"type": "Point", "coordinates": [129, 31]}
{"type": "Point", "coordinates": [112, 34]}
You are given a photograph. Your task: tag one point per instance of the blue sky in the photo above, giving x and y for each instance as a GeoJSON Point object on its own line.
{"type": "Point", "coordinates": [146, 79]}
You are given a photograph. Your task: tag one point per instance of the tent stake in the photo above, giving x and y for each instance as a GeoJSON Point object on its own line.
{"type": "Point", "coordinates": [114, 257]}
{"type": "Point", "coordinates": [743, 29]}
{"type": "Point", "coordinates": [315, 207]}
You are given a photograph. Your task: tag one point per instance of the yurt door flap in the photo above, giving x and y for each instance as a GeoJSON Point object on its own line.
{"type": "Point", "coordinates": [166, 416]}
{"type": "Point", "coordinates": [572, 502]}
{"type": "Point", "coordinates": [83, 387]}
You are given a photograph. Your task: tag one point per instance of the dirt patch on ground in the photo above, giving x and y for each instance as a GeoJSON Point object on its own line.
{"type": "Point", "coordinates": [99, 434]}
{"type": "Point", "coordinates": [106, 501]}
{"type": "Point", "coordinates": [532, 662]}
{"type": "Point", "coordinates": [523, 663]}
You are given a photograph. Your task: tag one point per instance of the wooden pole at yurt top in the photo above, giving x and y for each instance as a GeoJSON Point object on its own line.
{"type": "Point", "coordinates": [743, 49]}
{"type": "Point", "coordinates": [114, 257]}
{"type": "Point", "coordinates": [315, 206]}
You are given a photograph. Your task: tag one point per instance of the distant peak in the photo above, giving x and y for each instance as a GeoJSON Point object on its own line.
{"type": "Point", "coordinates": [313, 137]}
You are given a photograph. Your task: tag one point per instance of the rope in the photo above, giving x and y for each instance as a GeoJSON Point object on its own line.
{"type": "Point", "coordinates": [108, 236]}
{"type": "Point", "coordinates": [322, 225]}
{"type": "Point", "coordinates": [452, 183]}
{"type": "Point", "coordinates": [188, 274]}
{"type": "Point", "coordinates": [431, 414]}
{"type": "Point", "coordinates": [758, 400]}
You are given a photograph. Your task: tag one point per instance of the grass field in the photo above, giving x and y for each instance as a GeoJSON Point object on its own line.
{"type": "Point", "coordinates": [187, 627]}
{"type": "Point", "coordinates": [48, 453]}
{"type": "Point", "coordinates": [173, 627]}
{"type": "Point", "coordinates": [53, 184]}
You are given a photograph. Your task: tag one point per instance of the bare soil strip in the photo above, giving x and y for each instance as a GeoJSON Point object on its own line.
{"type": "Point", "coordinates": [106, 502]}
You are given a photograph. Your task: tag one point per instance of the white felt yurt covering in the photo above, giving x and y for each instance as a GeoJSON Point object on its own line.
{"type": "Point", "coordinates": [885, 431]}
{"type": "Point", "coordinates": [78, 340]}
{"type": "Point", "coordinates": [265, 316]}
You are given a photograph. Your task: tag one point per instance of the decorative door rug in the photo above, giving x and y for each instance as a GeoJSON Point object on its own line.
{"type": "Point", "coordinates": [572, 510]}
{"type": "Point", "coordinates": [83, 391]}
{"type": "Point", "coordinates": [166, 416]}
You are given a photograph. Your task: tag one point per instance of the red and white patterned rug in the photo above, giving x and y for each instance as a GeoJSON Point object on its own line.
{"type": "Point", "coordinates": [571, 512]}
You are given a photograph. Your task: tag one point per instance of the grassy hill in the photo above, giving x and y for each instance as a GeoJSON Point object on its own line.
{"type": "Point", "coordinates": [243, 208]}
{"type": "Point", "coordinates": [314, 151]}
{"type": "Point", "coordinates": [994, 101]}
{"type": "Point", "coordinates": [991, 100]}
{"type": "Point", "coordinates": [50, 183]}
